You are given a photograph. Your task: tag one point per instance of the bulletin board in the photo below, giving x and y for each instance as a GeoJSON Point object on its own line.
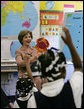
{"type": "Point", "coordinates": [74, 22]}
{"type": "Point", "coordinates": [51, 26]}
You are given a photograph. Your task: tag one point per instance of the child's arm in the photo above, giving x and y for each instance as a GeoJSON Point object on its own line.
{"type": "Point", "coordinates": [75, 57]}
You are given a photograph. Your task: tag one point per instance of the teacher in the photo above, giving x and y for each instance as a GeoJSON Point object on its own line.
{"type": "Point", "coordinates": [25, 37]}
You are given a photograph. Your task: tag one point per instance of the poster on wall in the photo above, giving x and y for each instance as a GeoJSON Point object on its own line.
{"type": "Point", "coordinates": [51, 27]}
{"type": "Point", "coordinates": [17, 16]}
{"type": "Point", "coordinates": [74, 20]}
{"type": "Point", "coordinates": [51, 23]}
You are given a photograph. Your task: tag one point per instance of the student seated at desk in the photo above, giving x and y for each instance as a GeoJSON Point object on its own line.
{"type": "Point", "coordinates": [55, 93]}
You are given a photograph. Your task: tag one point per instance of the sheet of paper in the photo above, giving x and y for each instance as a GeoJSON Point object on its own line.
{"type": "Point", "coordinates": [68, 8]}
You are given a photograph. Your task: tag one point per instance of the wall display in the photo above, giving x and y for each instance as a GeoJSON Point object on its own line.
{"type": "Point", "coordinates": [51, 26]}
{"type": "Point", "coordinates": [74, 22]}
{"type": "Point", "coordinates": [43, 18]}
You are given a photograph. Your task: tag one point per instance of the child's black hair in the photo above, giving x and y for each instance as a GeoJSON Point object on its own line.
{"type": "Point", "coordinates": [47, 59]}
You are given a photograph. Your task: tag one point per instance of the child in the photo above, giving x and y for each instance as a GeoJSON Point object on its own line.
{"type": "Point", "coordinates": [55, 92]}
{"type": "Point", "coordinates": [24, 87]}
{"type": "Point", "coordinates": [24, 90]}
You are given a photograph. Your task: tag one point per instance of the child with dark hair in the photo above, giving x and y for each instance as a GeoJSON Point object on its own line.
{"type": "Point", "coordinates": [24, 90]}
{"type": "Point", "coordinates": [54, 66]}
{"type": "Point", "coordinates": [24, 87]}
{"type": "Point", "coordinates": [55, 93]}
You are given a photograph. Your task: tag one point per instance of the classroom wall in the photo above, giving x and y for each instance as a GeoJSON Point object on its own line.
{"type": "Point", "coordinates": [27, 16]}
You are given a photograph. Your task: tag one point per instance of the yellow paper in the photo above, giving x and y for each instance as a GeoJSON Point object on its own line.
{"type": "Point", "coordinates": [59, 5]}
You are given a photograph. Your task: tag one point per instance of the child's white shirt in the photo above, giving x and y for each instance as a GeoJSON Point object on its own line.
{"type": "Point", "coordinates": [54, 88]}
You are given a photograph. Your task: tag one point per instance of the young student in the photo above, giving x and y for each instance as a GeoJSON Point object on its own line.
{"type": "Point", "coordinates": [55, 93]}
{"type": "Point", "coordinates": [24, 87]}
{"type": "Point", "coordinates": [24, 90]}
{"type": "Point", "coordinates": [5, 102]}
{"type": "Point", "coordinates": [25, 38]}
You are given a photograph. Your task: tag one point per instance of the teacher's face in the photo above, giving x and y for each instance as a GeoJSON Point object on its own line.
{"type": "Point", "coordinates": [27, 39]}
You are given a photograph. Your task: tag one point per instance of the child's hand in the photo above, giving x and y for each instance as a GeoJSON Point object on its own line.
{"type": "Point", "coordinates": [67, 39]}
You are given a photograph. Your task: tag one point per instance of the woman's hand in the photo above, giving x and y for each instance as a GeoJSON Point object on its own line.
{"type": "Point", "coordinates": [35, 57]}
{"type": "Point", "coordinates": [26, 58]}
